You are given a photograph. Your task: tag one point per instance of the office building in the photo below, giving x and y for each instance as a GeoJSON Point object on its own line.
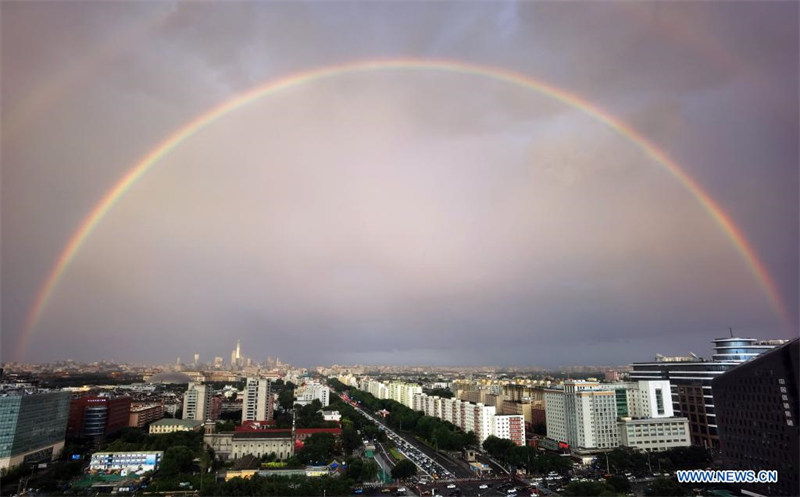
{"type": "Point", "coordinates": [257, 403]}
{"type": "Point", "coordinates": [585, 414]}
{"type": "Point", "coordinates": [197, 402]}
{"type": "Point", "coordinates": [758, 416]}
{"type": "Point", "coordinates": [690, 378]}
{"type": "Point", "coordinates": [32, 427]}
{"type": "Point", "coordinates": [98, 416]}
{"type": "Point", "coordinates": [654, 434]}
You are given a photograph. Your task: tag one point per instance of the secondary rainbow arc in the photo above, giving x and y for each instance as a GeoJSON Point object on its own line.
{"type": "Point", "coordinates": [107, 202]}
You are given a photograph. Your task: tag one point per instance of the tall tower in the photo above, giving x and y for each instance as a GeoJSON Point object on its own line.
{"type": "Point", "coordinates": [238, 350]}
{"type": "Point", "coordinates": [196, 358]}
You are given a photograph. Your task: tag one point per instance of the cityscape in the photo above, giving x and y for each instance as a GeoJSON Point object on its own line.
{"type": "Point", "coordinates": [494, 248]}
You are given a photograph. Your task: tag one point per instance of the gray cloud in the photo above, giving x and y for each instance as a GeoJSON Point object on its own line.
{"type": "Point", "coordinates": [397, 216]}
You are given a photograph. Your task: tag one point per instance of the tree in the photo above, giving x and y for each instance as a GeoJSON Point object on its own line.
{"type": "Point", "coordinates": [585, 489]}
{"type": "Point", "coordinates": [404, 469]}
{"type": "Point", "coordinates": [498, 447]}
{"type": "Point", "coordinates": [286, 398]}
{"type": "Point", "coordinates": [317, 449]}
{"type": "Point", "coordinates": [619, 483]}
{"type": "Point", "coordinates": [177, 459]}
{"type": "Point", "coordinates": [666, 487]}
{"type": "Point", "coordinates": [350, 440]}
{"type": "Point", "coordinates": [354, 468]}
{"type": "Point", "coordinates": [370, 470]}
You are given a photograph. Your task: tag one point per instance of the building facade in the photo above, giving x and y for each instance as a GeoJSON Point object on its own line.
{"type": "Point", "coordinates": [257, 403]}
{"type": "Point", "coordinates": [32, 427]}
{"type": "Point", "coordinates": [653, 435]}
{"type": "Point", "coordinates": [163, 426]}
{"type": "Point", "coordinates": [510, 426]}
{"type": "Point", "coordinates": [144, 413]}
{"type": "Point", "coordinates": [95, 416]}
{"type": "Point", "coordinates": [586, 415]}
{"type": "Point", "coordinates": [758, 414]}
{"type": "Point", "coordinates": [311, 391]}
{"type": "Point", "coordinates": [690, 379]}
{"type": "Point", "coordinates": [197, 402]}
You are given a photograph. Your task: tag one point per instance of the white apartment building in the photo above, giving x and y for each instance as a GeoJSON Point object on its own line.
{"type": "Point", "coordinates": [376, 388]}
{"type": "Point", "coordinates": [257, 403]}
{"type": "Point", "coordinates": [197, 402]}
{"type": "Point", "coordinates": [311, 391]}
{"type": "Point", "coordinates": [654, 434]}
{"type": "Point", "coordinates": [403, 392]}
{"type": "Point", "coordinates": [511, 427]}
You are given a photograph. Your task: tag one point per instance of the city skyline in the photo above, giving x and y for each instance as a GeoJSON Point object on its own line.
{"type": "Point", "coordinates": [482, 183]}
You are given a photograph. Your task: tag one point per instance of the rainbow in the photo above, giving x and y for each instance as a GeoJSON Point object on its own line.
{"type": "Point", "coordinates": [107, 202]}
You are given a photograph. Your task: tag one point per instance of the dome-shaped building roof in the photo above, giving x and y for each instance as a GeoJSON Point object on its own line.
{"type": "Point", "coordinates": [170, 377]}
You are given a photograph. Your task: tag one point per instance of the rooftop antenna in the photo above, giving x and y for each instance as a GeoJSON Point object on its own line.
{"type": "Point", "coordinates": [731, 330]}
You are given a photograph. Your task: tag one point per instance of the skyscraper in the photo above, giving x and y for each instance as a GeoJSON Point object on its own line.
{"type": "Point", "coordinates": [758, 415]}
{"type": "Point", "coordinates": [257, 404]}
{"type": "Point", "coordinates": [690, 378]}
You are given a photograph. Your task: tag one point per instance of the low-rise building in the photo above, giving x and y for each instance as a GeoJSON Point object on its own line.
{"type": "Point", "coordinates": [331, 416]}
{"type": "Point", "coordinates": [172, 425]}
{"type": "Point", "coordinates": [310, 391]}
{"type": "Point", "coordinates": [654, 434]}
{"type": "Point", "coordinates": [130, 462]}
{"type": "Point", "coordinates": [262, 443]}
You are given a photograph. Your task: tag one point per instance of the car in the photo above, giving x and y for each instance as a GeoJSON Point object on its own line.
{"type": "Point", "coordinates": [451, 485]}
{"type": "Point", "coordinates": [484, 486]}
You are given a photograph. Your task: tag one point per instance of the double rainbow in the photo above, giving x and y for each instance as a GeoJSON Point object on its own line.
{"type": "Point", "coordinates": [102, 208]}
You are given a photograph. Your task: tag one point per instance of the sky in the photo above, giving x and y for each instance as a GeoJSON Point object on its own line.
{"type": "Point", "coordinates": [401, 215]}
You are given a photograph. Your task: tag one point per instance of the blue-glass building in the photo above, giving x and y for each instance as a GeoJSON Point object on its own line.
{"type": "Point", "coordinates": [32, 427]}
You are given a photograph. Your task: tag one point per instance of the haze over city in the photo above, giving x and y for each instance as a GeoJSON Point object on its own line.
{"type": "Point", "coordinates": [477, 183]}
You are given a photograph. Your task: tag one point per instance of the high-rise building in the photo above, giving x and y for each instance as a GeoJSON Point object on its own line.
{"type": "Point", "coordinates": [758, 416]}
{"type": "Point", "coordinates": [32, 427]}
{"type": "Point", "coordinates": [97, 416]}
{"type": "Point", "coordinates": [257, 403]}
{"type": "Point", "coordinates": [690, 378]}
{"type": "Point", "coordinates": [197, 402]}
{"type": "Point", "coordinates": [589, 415]}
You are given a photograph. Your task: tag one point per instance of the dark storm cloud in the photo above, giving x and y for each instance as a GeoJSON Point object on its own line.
{"type": "Point", "coordinates": [399, 216]}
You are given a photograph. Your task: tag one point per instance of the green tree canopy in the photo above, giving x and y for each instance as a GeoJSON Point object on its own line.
{"type": "Point", "coordinates": [404, 469]}
{"type": "Point", "coordinates": [317, 449]}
